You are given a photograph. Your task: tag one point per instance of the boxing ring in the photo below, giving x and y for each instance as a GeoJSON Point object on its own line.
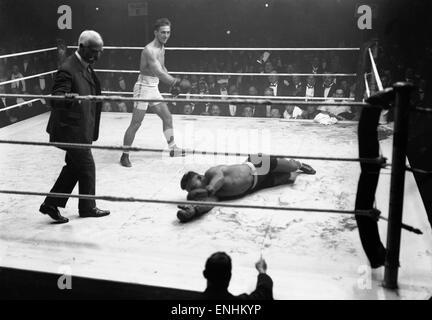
{"type": "Point", "coordinates": [311, 255]}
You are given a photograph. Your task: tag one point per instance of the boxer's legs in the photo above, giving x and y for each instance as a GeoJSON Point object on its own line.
{"type": "Point", "coordinates": [137, 118]}
{"type": "Point", "coordinates": [135, 124]}
{"type": "Point", "coordinates": [161, 109]}
{"type": "Point", "coordinates": [290, 165]}
{"type": "Point", "coordinates": [287, 165]}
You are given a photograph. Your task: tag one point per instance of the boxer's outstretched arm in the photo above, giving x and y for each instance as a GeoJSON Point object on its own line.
{"type": "Point", "coordinates": [201, 209]}
{"type": "Point", "coordinates": [189, 212]}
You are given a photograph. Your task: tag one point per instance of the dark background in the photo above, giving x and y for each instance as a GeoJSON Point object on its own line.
{"type": "Point", "coordinates": [205, 22]}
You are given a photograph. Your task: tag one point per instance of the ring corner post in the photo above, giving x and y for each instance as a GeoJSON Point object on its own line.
{"type": "Point", "coordinates": [400, 139]}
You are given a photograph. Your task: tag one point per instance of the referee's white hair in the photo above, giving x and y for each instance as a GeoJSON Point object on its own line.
{"type": "Point", "coordinates": [89, 36]}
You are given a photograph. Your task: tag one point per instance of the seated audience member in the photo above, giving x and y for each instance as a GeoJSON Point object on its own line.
{"type": "Point", "coordinates": [310, 112]}
{"type": "Point", "coordinates": [338, 112]}
{"type": "Point", "coordinates": [344, 85]}
{"type": "Point", "coordinates": [218, 274]}
{"type": "Point", "coordinates": [194, 83]}
{"type": "Point", "coordinates": [257, 111]}
{"type": "Point", "coordinates": [328, 87]}
{"type": "Point", "coordinates": [106, 106]}
{"type": "Point", "coordinates": [122, 107]}
{"type": "Point", "coordinates": [121, 84]}
{"type": "Point", "coordinates": [297, 87]}
{"type": "Point", "coordinates": [215, 110]}
{"type": "Point", "coordinates": [314, 66]}
{"type": "Point", "coordinates": [248, 111]}
{"type": "Point", "coordinates": [188, 109]}
{"type": "Point", "coordinates": [279, 88]}
{"type": "Point", "coordinates": [106, 84]}
{"type": "Point", "coordinates": [275, 113]}
{"type": "Point", "coordinates": [211, 83]}
{"type": "Point", "coordinates": [292, 112]}
{"type": "Point", "coordinates": [232, 109]}
{"type": "Point", "coordinates": [202, 87]}
{"type": "Point", "coordinates": [20, 85]}
{"type": "Point", "coordinates": [265, 111]}
{"type": "Point", "coordinates": [311, 90]}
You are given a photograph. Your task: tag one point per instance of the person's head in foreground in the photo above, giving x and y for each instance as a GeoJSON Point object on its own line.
{"type": "Point", "coordinates": [218, 270]}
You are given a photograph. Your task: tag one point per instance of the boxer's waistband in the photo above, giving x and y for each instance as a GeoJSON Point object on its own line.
{"type": "Point", "coordinates": [148, 80]}
{"type": "Point", "coordinates": [254, 174]}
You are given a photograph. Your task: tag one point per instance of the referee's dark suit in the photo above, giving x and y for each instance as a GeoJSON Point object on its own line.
{"type": "Point", "coordinates": [75, 122]}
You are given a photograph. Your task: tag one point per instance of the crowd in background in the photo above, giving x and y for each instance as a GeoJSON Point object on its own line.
{"type": "Point", "coordinates": [303, 88]}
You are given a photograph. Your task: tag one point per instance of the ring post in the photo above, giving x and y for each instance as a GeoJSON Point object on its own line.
{"type": "Point", "coordinates": [400, 137]}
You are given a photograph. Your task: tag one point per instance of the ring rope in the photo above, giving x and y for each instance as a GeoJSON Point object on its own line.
{"type": "Point", "coordinates": [422, 109]}
{"type": "Point", "coordinates": [233, 101]}
{"type": "Point", "coordinates": [375, 70]}
{"type": "Point", "coordinates": [28, 77]}
{"type": "Point", "coordinates": [18, 105]}
{"type": "Point", "coordinates": [239, 73]}
{"type": "Point", "coordinates": [369, 213]}
{"type": "Point", "coordinates": [373, 213]}
{"type": "Point", "coordinates": [26, 52]}
{"type": "Point", "coordinates": [381, 160]}
{"type": "Point", "coordinates": [416, 170]}
{"type": "Point", "coordinates": [236, 96]}
{"type": "Point", "coordinates": [229, 49]}
{"type": "Point", "coordinates": [367, 85]}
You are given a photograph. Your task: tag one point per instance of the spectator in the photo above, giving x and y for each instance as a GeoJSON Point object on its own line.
{"type": "Point", "coordinates": [248, 112]}
{"type": "Point", "coordinates": [338, 112]}
{"type": "Point", "coordinates": [215, 110]}
{"type": "Point", "coordinates": [346, 88]}
{"type": "Point", "coordinates": [298, 88]}
{"type": "Point", "coordinates": [122, 107]}
{"type": "Point", "coordinates": [194, 83]}
{"type": "Point", "coordinates": [279, 88]}
{"type": "Point", "coordinates": [121, 83]}
{"type": "Point", "coordinates": [252, 91]}
{"type": "Point", "coordinates": [106, 106]}
{"type": "Point", "coordinates": [188, 109]}
{"type": "Point", "coordinates": [275, 113]}
{"type": "Point", "coordinates": [310, 90]}
{"type": "Point", "coordinates": [265, 111]}
{"type": "Point", "coordinates": [218, 274]}
{"type": "Point", "coordinates": [310, 112]}
{"type": "Point", "coordinates": [314, 66]}
{"type": "Point", "coordinates": [292, 112]}
{"type": "Point", "coordinates": [328, 87]}
{"type": "Point", "coordinates": [20, 85]}
{"type": "Point", "coordinates": [106, 84]}
{"type": "Point", "coordinates": [233, 109]}
{"type": "Point", "coordinates": [211, 83]}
